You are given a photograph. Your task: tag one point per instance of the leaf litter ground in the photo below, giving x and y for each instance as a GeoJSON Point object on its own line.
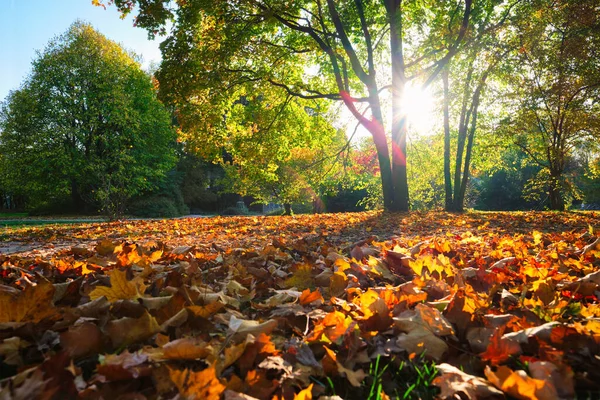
{"type": "Point", "coordinates": [357, 306]}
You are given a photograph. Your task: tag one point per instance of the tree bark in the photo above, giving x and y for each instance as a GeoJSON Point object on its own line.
{"type": "Point", "coordinates": [399, 126]}
{"type": "Point", "coordinates": [447, 175]}
{"type": "Point", "coordinates": [287, 209]}
{"type": "Point", "coordinates": [557, 201]}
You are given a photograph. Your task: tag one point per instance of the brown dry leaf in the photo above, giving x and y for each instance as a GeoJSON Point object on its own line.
{"type": "Point", "coordinates": [422, 340]}
{"type": "Point", "coordinates": [33, 386]}
{"type": "Point", "coordinates": [519, 385]}
{"type": "Point", "coordinates": [123, 366]}
{"type": "Point", "coordinates": [81, 340]}
{"type": "Point", "coordinates": [187, 349]}
{"type": "Point", "coordinates": [207, 310]}
{"type": "Point", "coordinates": [242, 327]}
{"type": "Point", "coordinates": [423, 325]}
{"type": "Point", "coordinates": [32, 304]}
{"type": "Point", "coordinates": [10, 348]}
{"type": "Point", "coordinates": [354, 377]}
{"type": "Point", "coordinates": [120, 288]}
{"type": "Point", "coordinates": [338, 283]}
{"type": "Point", "coordinates": [455, 383]}
{"type": "Point", "coordinates": [560, 378]}
{"type": "Point", "coordinates": [126, 331]}
{"type": "Point", "coordinates": [234, 352]}
{"type": "Point", "coordinates": [198, 385]}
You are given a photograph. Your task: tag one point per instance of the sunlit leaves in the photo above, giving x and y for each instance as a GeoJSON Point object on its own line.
{"type": "Point", "coordinates": [194, 314]}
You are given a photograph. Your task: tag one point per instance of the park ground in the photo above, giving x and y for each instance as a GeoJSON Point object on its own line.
{"type": "Point", "coordinates": [365, 305]}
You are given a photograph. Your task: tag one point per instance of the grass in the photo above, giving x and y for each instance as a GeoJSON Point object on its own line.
{"type": "Point", "coordinates": [395, 378]}
{"type": "Point", "coordinates": [403, 379]}
{"type": "Point", "coordinates": [41, 222]}
{"type": "Point", "coordinates": [13, 215]}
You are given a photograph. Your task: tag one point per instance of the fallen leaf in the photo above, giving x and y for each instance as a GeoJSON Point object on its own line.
{"type": "Point", "coordinates": [120, 288]}
{"type": "Point", "coordinates": [198, 385]}
{"type": "Point", "coordinates": [519, 385]}
{"type": "Point", "coordinates": [126, 331]}
{"type": "Point", "coordinates": [242, 327]}
{"type": "Point", "coordinates": [33, 304]}
{"type": "Point", "coordinates": [455, 383]}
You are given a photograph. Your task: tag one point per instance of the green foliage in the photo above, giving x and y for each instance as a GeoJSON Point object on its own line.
{"type": "Point", "coordinates": [555, 83]}
{"type": "Point", "coordinates": [165, 201]}
{"type": "Point", "coordinates": [312, 51]}
{"type": "Point", "coordinates": [154, 206]}
{"type": "Point", "coordinates": [85, 128]}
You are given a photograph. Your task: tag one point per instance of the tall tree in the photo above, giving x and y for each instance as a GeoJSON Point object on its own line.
{"type": "Point", "coordinates": [557, 93]}
{"type": "Point", "coordinates": [350, 50]}
{"type": "Point", "coordinates": [276, 153]}
{"type": "Point", "coordinates": [464, 81]}
{"type": "Point", "coordinates": [85, 124]}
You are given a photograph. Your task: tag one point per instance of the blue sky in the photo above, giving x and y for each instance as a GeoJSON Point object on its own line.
{"type": "Point", "coordinates": [28, 25]}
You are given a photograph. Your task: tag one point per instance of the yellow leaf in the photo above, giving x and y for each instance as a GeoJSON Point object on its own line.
{"type": "Point", "coordinates": [33, 304]}
{"type": "Point", "coordinates": [120, 288]}
{"type": "Point", "coordinates": [305, 394]}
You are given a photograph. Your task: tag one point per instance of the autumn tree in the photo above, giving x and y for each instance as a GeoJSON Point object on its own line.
{"type": "Point", "coordinates": [555, 104]}
{"type": "Point", "coordinates": [85, 125]}
{"type": "Point", "coordinates": [280, 153]}
{"type": "Point", "coordinates": [464, 83]}
{"type": "Point", "coordinates": [360, 52]}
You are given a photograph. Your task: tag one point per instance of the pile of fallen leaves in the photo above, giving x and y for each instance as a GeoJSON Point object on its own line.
{"type": "Point", "coordinates": [505, 305]}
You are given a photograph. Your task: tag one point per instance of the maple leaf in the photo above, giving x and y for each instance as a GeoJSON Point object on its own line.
{"type": "Point", "coordinates": [187, 349]}
{"type": "Point", "coordinates": [123, 366]}
{"type": "Point", "coordinates": [354, 377]}
{"type": "Point", "coordinates": [126, 331]}
{"type": "Point", "coordinates": [120, 288]}
{"type": "Point", "coordinates": [305, 394]}
{"type": "Point", "coordinates": [518, 384]}
{"type": "Point", "coordinates": [331, 328]}
{"type": "Point", "coordinates": [198, 385]}
{"type": "Point", "coordinates": [81, 340]}
{"type": "Point", "coordinates": [242, 327]}
{"type": "Point", "coordinates": [500, 348]}
{"type": "Point", "coordinates": [455, 383]}
{"type": "Point", "coordinates": [33, 304]}
{"type": "Point", "coordinates": [308, 297]}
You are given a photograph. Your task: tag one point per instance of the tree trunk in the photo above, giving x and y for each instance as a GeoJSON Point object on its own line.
{"type": "Point", "coordinates": [399, 127]}
{"type": "Point", "coordinates": [447, 175]}
{"type": "Point", "coordinates": [377, 130]}
{"type": "Point", "coordinates": [78, 203]}
{"type": "Point", "coordinates": [557, 202]}
{"type": "Point", "coordinates": [287, 209]}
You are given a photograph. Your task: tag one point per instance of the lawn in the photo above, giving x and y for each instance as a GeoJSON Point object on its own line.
{"type": "Point", "coordinates": [362, 306]}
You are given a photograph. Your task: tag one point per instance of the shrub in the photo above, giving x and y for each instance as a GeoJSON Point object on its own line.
{"type": "Point", "coordinates": [155, 207]}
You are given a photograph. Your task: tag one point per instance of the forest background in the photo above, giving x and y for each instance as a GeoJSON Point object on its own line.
{"type": "Point", "coordinates": [492, 105]}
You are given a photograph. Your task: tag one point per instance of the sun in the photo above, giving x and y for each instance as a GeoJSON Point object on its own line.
{"type": "Point", "coordinates": [419, 107]}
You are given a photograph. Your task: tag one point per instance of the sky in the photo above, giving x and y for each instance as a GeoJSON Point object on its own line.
{"type": "Point", "coordinates": [26, 26]}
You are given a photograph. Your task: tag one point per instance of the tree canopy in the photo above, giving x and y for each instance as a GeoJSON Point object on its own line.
{"type": "Point", "coordinates": [358, 52]}
{"type": "Point", "coordinates": [85, 127]}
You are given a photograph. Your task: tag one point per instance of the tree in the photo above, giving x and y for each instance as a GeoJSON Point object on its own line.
{"type": "Point", "coordinates": [272, 146]}
{"type": "Point", "coordinates": [351, 51]}
{"type": "Point", "coordinates": [464, 82]}
{"type": "Point", "coordinates": [85, 125]}
{"type": "Point", "coordinates": [557, 94]}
